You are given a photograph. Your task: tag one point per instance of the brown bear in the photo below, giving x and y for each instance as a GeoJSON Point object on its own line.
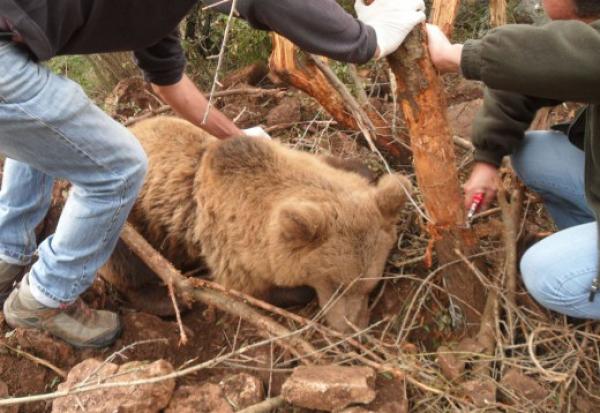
{"type": "Point", "coordinates": [261, 215]}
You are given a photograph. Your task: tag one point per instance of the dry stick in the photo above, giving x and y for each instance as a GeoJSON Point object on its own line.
{"type": "Point", "coordinates": [220, 60]}
{"type": "Point", "coordinates": [220, 94]}
{"type": "Point", "coordinates": [194, 290]}
{"type": "Point", "coordinates": [183, 339]}
{"type": "Point", "coordinates": [511, 216]}
{"type": "Point", "coordinates": [181, 373]}
{"type": "Point", "coordinates": [37, 360]}
{"type": "Point", "coordinates": [264, 406]}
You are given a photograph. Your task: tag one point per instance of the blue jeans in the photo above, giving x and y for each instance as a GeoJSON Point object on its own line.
{"type": "Point", "coordinates": [558, 271]}
{"type": "Point", "coordinates": [50, 129]}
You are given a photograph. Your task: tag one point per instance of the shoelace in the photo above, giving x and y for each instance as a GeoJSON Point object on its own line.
{"type": "Point", "coordinates": [78, 308]}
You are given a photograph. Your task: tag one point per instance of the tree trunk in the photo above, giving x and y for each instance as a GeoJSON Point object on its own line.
{"type": "Point", "coordinates": [497, 13]}
{"type": "Point", "coordinates": [443, 13]}
{"type": "Point", "coordinates": [306, 76]}
{"type": "Point", "coordinates": [422, 99]}
{"type": "Point", "coordinates": [111, 68]}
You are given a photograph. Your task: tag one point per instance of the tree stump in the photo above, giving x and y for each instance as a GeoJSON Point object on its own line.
{"type": "Point", "coordinates": [423, 103]}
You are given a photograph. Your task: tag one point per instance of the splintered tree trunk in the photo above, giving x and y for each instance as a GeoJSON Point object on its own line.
{"type": "Point", "coordinates": [305, 75]}
{"type": "Point", "coordinates": [497, 12]}
{"type": "Point", "coordinates": [421, 96]}
{"type": "Point", "coordinates": [443, 14]}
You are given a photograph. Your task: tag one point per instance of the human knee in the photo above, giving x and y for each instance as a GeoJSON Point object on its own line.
{"type": "Point", "coordinates": [537, 280]}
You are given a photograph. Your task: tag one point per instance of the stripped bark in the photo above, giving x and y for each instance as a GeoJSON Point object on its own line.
{"type": "Point", "coordinates": [443, 13]}
{"type": "Point", "coordinates": [423, 103]}
{"type": "Point", "coordinates": [305, 75]}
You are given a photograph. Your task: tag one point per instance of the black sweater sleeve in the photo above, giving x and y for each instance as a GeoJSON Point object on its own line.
{"type": "Point", "coordinates": [163, 63]}
{"type": "Point", "coordinates": [322, 27]}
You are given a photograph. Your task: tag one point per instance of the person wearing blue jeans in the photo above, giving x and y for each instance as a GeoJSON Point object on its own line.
{"type": "Point", "coordinates": [558, 270]}
{"type": "Point", "coordinates": [526, 68]}
{"type": "Point", "coordinates": [49, 129]}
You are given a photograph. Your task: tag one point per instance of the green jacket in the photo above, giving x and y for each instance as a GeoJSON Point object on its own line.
{"type": "Point", "coordinates": [527, 68]}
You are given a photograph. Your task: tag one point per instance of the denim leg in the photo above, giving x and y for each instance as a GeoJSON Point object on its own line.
{"type": "Point", "coordinates": [550, 165]}
{"type": "Point", "coordinates": [24, 201]}
{"type": "Point", "coordinates": [47, 122]}
{"type": "Point", "coordinates": [558, 271]}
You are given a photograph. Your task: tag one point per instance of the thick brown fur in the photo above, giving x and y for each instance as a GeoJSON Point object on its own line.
{"type": "Point", "coordinates": [261, 215]}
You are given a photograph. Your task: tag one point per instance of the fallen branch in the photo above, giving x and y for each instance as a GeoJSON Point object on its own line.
{"type": "Point", "coordinates": [189, 290]}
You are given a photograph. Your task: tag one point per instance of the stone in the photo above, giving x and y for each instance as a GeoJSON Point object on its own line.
{"type": "Point", "coordinates": [481, 393]}
{"type": "Point", "coordinates": [515, 385]}
{"type": "Point", "coordinates": [451, 366]}
{"type": "Point", "coordinates": [287, 111]}
{"type": "Point", "coordinates": [4, 394]}
{"type": "Point", "coordinates": [329, 388]}
{"type": "Point", "coordinates": [205, 398]}
{"type": "Point", "coordinates": [243, 390]}
{"type": "Point", "coordinates": [148, 398]}
{"type": "Point", "coordinates": [469, 345]}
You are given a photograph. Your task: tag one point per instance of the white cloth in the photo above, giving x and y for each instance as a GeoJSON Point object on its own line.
{"type": "Point", "coordinates": [392, 20]}
{"type": "Point", "coordinates": [256, 132]}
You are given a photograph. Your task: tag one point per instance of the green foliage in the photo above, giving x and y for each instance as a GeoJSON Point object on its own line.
{"type": "Point", "coordinates": [78, 69]}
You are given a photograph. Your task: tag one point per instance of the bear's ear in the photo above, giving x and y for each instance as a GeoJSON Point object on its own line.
{"type": "Point", "coordinates": [392, 192]}
{"type": "Point", "coordinates": [302, 224]}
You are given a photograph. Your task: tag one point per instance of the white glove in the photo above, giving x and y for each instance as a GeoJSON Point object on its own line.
{"type": "Point", "coordinates": [392, 20]}
{"type": "Point", "coordinates": [256, 132]}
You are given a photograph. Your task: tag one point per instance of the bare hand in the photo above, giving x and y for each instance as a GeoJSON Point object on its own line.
{"type": "Point", "coordinates": [444, 55]}
{"type": "Point", "coordinates": [484, 179]}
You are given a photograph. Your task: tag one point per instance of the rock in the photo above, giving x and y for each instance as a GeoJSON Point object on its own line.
{"type": "Point", "coordinates": [451, 366]}
{"type": "Point", "coordinates": [4, 394]}
{"type": "Point", "coordinates": [391, 396]}
{"type": "Point", "coordinates": [45, 346]}
{"type": "Point", "coordinates": [329, 388]}
{"type": "Point", "coordinates": [461, 117]}
{"type": "Point", "coordinates": [206, 398]}
{"type": "Point", "coordinates": [147, 398]}
{"type": "Point", "coordinates": [469, 345]}
{"type": "Point", "coordinates": [287, 111]}
{"type": "Point", "coordinates": [243, 390]}
{"type": "Point", "coordinates": [481, 393]}
{"type": "Point", "coordinates": [516, 385]}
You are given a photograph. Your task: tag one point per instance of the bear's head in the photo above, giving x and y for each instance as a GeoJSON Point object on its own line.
{"type": "Point", "coordinates": [338, 245]}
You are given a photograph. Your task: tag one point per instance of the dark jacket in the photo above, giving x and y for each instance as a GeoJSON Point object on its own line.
{"type": "Point", "coordinates": [527, 68]}
{"type": "Point", "coordinates": [149, 28]}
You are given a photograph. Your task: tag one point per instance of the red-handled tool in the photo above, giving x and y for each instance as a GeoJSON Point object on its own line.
{"type": "Point", "coordinates": [475, 204]}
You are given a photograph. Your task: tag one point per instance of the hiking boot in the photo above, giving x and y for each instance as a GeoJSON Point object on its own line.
{"type": "Point", "coordinates": [8, 275]}
{"type": "Point", "coordinates": [77, 324]}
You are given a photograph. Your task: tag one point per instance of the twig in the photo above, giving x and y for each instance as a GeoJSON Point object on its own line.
{"type": "Point", "coordinates": [220, 60]}
{"type": "Point", "coordinates": [36, 360]}
{"type": "Point", "coordinates": [194, 290]}
{"type": "Point", "coordinates": [264, 406]}
{"type": "Point", "coordinates": [183, 339]}
{"type": "Point", "coordinates": [181, 373]}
